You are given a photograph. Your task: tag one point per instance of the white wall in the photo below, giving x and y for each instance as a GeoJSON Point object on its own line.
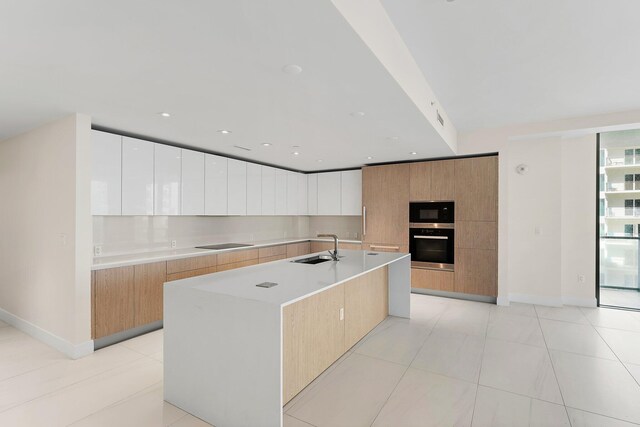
{"type": "Point", "coordinates": [45, 223]}
{"type": "Point", "coordinates": [558, 195]}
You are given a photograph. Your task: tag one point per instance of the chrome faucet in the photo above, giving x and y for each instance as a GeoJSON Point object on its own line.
{"type": "Point", "coordinates": [334, 254]}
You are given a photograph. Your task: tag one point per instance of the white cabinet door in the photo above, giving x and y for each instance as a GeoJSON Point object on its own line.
{"type": "Point", "coordinates": [351, 192]}
{"type": "Point", "coordinates": [167, 174]}
{"type": "Point", "coordinates": [137, 177]}
{"type": "Point", "coordinates": [329, 193]}
{"type": "Point", "coordinates": [192, 182]}
{"type": "Point", "coordinates": [215, 185]}
{"type": "Point", "coordinates": [106, 173]}
{"type": "Point", "coordinates": [302, 194]}
{"type": "Point", "coordinates": [292, 193]}
{"type": "Point", "coordinates": [281, 192]}
{"type": "Point", "coordinates": [237, 185]}
{"type": "Point", "coordinates": [268, 190]}
{"type": "Point", "coordinates": [254, 189]}
{"type": "Point", "coordinates": [312, 194]}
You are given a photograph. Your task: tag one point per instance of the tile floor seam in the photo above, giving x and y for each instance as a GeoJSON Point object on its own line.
{"type": "Point", "coordinates": [616, 355]}
{"type": "Point", "coordinates": [484, 347]}
{"type": "Point", "coordinates": [602, 415]}
{"type": "Point", "coordinates": [180, 419]}
{"type": "Point", "coordinates": [32, 370]}
{"type": "Point", "coordinates": [555, 374]}
{"type": "Point", "coordinates": [306, 422]}
{"type": "Point", "coordinates": [519, 394]}
{"type": "Point", "coordinates": [74, 384]}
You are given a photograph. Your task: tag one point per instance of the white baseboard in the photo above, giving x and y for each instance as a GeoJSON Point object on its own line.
{"type": "Point", "coordinates": [536, 299]}
{"type": "Point", "coordinates": [502, 300]}
{"type": "Point", "coordinates": [74, 351]}
{"type": "Point", "coordinates": [580, 302]}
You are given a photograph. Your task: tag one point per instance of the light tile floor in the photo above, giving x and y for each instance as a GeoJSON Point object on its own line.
{"type": "Point", "coordinates": [620, 298]}
{"type": "Point", "coordinates": [454, 363]}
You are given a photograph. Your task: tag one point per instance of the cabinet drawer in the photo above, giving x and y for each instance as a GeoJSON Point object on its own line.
{"type": "Point", "coordinates": [385, 247]}
{"type": "Point", "coordinates": [271, 258]}
{"type": "Point", "coordinates": [193, 263]}
{"type": "Point", "coordinates": [432, 279]}
{"type": "Point", "coordinates": [190, 273]}
{"type": "Point", "coordinates": [272, 251]}
{"type": "Point", "coordinates": [237, 256]}
{"type": "Point", "coordinates": [238, 264]}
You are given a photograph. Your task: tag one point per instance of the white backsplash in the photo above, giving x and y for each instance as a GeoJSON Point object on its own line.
{"type": "Point", "coordinates": [131, 234]}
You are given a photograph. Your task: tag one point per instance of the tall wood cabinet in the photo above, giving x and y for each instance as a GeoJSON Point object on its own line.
{"type": "Point", "coordinates": [385, 204]}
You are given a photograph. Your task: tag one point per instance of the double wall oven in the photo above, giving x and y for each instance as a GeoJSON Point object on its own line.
{"type": "Point", "coordinates": [431, 235]}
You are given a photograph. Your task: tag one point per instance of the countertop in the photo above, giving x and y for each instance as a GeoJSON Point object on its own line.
{"type": "Point", "coordinates": [124, 260]}
{"type": "Point", "coordinates": [295, 281]}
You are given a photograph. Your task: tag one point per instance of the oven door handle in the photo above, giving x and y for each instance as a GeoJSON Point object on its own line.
{"type": "Point", "coordinates": [432, 237]}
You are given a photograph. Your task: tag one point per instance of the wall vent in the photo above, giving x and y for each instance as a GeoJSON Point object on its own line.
{"type": "Point", "coordinates": [440, 119]}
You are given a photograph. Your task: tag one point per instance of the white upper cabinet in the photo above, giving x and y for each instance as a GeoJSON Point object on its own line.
{"type": "Point", "coordinates": [215, 185]}
{"type": "Point", "coordinates": [237, 185]}
{"type": "Point", "coordinates": [312, 194]}
{"type": "Point", "coordinates": [329, 196]}
{"type": "Point", "coordinates": [192, 182]}
{"type": "Point", "coordinates": [106, 173]}
{"type": "Point", "coordinates": [137, 177]}
{"type": "Point", "coordinates": [268, 190]}
{"type": "Point", "coordinates": [351, 194]}
{"type": "Point", "coordinates": [302, 194]}
{"type": "Point", "coordinates": [167, 177]}
{"type": "Point", "coordinates": [292, 193]}
{"type": "Point", "coordinates": [254, 189]}
{"type": "Point", "coordinates": [281, 192]}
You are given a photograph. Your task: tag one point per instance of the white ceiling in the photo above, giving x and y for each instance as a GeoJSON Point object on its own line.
{"type": "Point", "coordinates": [212, 65]}
{"type": "Point", "coordinates": [500, 62]}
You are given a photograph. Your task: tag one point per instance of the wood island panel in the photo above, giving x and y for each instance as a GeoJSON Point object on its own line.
{"type": "Point", "coordinates": [149, 280]}
{"type": "Point", "coordinates": [366, 303]}
{"type": "Point", "coordinates": [113, 301]}
{"type": "Point", "coordinates": [313, 338]}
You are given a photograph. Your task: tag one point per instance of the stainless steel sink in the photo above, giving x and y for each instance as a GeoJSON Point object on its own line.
{"type": "Point", "coordinates": [316, 259]}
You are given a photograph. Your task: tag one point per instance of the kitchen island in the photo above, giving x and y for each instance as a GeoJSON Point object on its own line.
{"type": "Point", "coordinates": [235, 352]}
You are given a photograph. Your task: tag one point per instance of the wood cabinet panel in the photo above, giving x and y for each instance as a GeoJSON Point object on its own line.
{"type": "Point", "coordinates": [385, 195]}
{"type": "Point", "coordinates": [476, 189]}
{"type": "Point", "coordinates": [112, 301]}
{"type": "Point", "coordinates": [366, 303]}
{"type": "Point", "coordinates": [272, 251]}
{"type": "Point", "coordinates": [238, 256]}
{"type": "Point", "coordinates": [193, 263]}
{"type": "Point", "coordinates": [420, 181]}
{"type": "Point", "coordinates": [271, 258]}
{"type": "Point", "coordinates": [385, 247]}
{"type": "Point", "coordinates": [325, 246]}
{"type": "Point", "coordinates": [313, 338]}
{"type": "Point", "coordinates": [148, 282]}
{"type": "Point", "coordinates": [476, 235]}
{"type": "Point", "coordinates": [239, 264]}
{"type": "Point", "coordinates": [443, 180]}
{"type": "Point", "coordinates": [476, 271]}
{"type": "Point", "coordinates": [190, 273]}
{"type": "Point", "coordinates": [432, 279]}
{"type": "Point", "coordinates": [297, 249]}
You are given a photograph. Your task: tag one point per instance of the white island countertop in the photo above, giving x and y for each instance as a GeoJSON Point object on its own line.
{"type": "Point", "coordinates": [295, 280]}
{"type": "Point", "coordinates": [124, 260]}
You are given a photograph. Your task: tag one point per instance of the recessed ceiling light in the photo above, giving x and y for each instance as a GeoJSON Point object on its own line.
{"type": "Point", "coordinates": [266, 144]}
{"type": "Point", "coordinates": [369, 157]}
{"type": "Point", "coordinates": [393, 138]}
{"type": "Point", "coordinates": [224, 131]}
{"type": "Point", "coordinates": [413, 153]}
{"type": "Point", "coordinates": [295, 153]}
{"type": "Point", "coordinates": [319, 160]}
{"type": "Point", "coordinates": [292, 69]}
{"type": "Point", "coordinates": [358, 114]}
{"type": "Point", "coordinates": [164, 114]}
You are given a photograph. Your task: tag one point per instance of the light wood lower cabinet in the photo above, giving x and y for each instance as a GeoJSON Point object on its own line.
{"type": "Point", "coordinates": [193, 263]}
{"type": "Point", "coordinates": [476, 271]}
{"type": "Point", "coordinates": [239, 264]}
{"type": "Point", "coordinates": [190, 273]}
{"type": "Point", "coordinates": [112, 301]}
{"type": "Point", "coordinates": [313, 338]}
{"type": "Point", "coordinates": [366, 303]}
{"type": "Point", "coordinates": [326, 246]}
{"type": "Point", "coordinates": [271, 251]}
{"type": "Point", "coordinates": [315, 334]}
{"type": "Point", "coordinates": [149, 280]}
{"type": "Point", "coordinates": [238, 256]}
{"type": "Point", "coordinates": [297, 249]}
{"type": "Point", "coordinates": [432, 279]}
{"type": "Point", "coordinates": [271, 258]}
{"type": "Point", "coordinates": [385, 247]}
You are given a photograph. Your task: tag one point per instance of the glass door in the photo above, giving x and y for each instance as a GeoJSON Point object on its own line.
{"type": "Point", "coordinates": [619, 219]}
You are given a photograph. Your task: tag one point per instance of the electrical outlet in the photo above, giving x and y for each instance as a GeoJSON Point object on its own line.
{"type": "Point", "coordinates": [173, 244]}
{"type": "Point", "coordinates": [97, 250]}
{"type": "Point", "coordinates": [581, 278]}
{"type": "Point", "coordinates": [537, 230]}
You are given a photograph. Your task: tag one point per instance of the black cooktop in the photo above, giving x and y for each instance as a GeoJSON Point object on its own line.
{"type": "Point", "coordinates": [223, 246]}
